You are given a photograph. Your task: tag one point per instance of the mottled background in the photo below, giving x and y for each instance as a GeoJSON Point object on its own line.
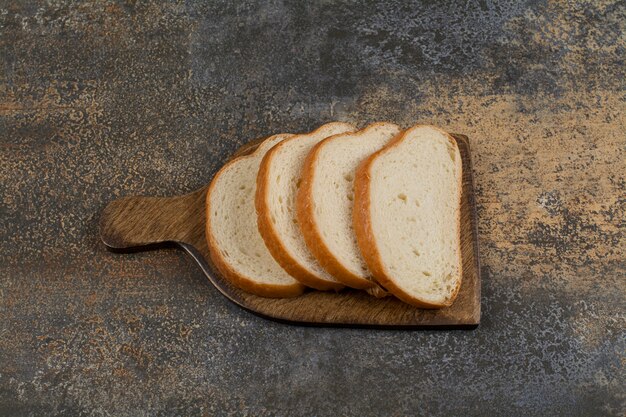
{"type": "Point", "coordinates": [100, 100]}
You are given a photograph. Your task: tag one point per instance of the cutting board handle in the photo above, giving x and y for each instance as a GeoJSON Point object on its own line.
{"type": "Point", "coordinates": [138, 222]}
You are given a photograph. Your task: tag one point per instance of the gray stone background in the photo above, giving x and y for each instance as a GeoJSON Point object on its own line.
{"type": "Point", "coordinates": [104, 99]}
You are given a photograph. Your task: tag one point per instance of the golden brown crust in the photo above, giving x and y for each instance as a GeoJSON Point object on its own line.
{"type": "Point", "coordinates": [459, 164]}
{"type": "Point", "coordinates": [239, 280]}
{"type": "Point", "coordinates": [270, 234]}
{"type": "Point", "coordinates": [363, 227]}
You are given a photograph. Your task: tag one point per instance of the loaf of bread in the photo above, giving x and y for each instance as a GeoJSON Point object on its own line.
{"type": "Point", "coordinates": [277, 184]}
{"type": "Point", "coordinates": [407, 216]}
{"type": "Point", "coordinates": [376, 209]}
{"type": "Point", "coordinates": [235, 245]}
{"type": "Point", "coordinates": [325, 200]}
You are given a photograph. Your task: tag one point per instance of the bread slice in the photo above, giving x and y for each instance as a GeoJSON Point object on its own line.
{"type": "Point", "coordinates": [325, 200]}
{"type": "Point", "coordinates": [277, 184]}
{"type": "Point", "coordinates": [235, 245]}
{"type": "Point", "coordinates": [407, 216]}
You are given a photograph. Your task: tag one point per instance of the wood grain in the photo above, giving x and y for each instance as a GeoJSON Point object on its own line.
{"type": "Point", "coordinates": [135, 223]}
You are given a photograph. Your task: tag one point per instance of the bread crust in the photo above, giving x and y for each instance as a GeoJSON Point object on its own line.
{"type": "Point", "coordinates": [305, 211]}
{"type": "Point", "coordinates": [270, 234]}
{"type": "Point", "coordinates": [362, 224]}
{"type": "Point", "coordinates": [241, 281]}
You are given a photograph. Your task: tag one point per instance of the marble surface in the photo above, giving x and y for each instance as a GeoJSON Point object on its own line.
{"type": "Point", "coordinates": [100, 100]}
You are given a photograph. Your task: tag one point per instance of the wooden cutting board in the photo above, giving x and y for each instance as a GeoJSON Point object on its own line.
{"type": "Point", "coordinates": [137, 223]}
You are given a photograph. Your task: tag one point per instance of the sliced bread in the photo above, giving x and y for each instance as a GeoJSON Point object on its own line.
{"type": "Point", "coordinates": [235, 245]}
{"type": "Point", "coordinates": [407, 216]}
{"type": "Point", "coordinates": [325, 201]}
{"type": "Point", "coordinates": [277, 184]}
